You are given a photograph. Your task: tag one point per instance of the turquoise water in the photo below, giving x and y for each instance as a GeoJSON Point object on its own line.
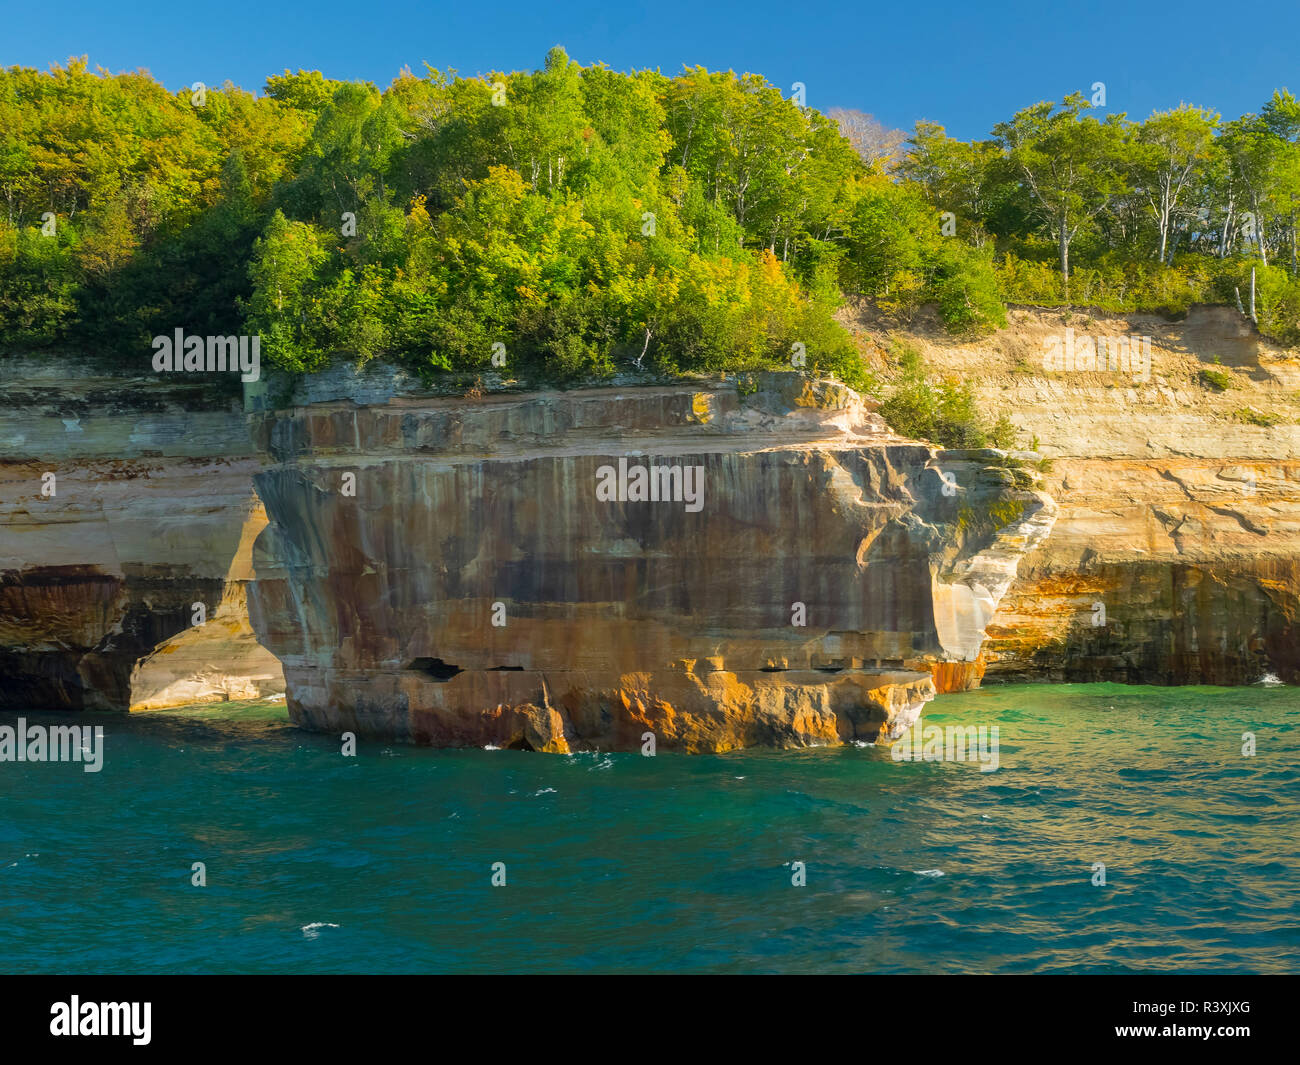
{"type": "Point", "coordinates": [383, 863]}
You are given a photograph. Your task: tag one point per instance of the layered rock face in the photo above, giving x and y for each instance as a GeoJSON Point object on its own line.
{"type": "Point", "coordinates": [123, 501]}
{"type": "Point", "coordinates": [481, 569]}
{"type": "Point", "coordinates": [218, 659]}
{"type": "Point", "coordinates": [1175, 558]}
{"type": "Point", "coordinates": [484, 571]}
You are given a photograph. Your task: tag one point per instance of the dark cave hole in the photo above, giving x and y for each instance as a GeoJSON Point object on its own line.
{"type": "Point", "coordinates": [435, 668]}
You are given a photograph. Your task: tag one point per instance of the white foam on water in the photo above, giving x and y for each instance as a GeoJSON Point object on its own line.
{"type": "Point", "coordinates": [928, 872]}
{"type": "Point", "coordinates": [312, 931]}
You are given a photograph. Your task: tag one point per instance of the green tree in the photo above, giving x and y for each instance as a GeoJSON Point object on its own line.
{"type": "Point", "coordinates": [1164, 157]}
{"type": "Point", "coordinates": [1071, 166]}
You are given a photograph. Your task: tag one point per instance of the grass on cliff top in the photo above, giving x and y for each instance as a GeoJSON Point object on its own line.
{"type": "Point", "coordinates": [944, 412]}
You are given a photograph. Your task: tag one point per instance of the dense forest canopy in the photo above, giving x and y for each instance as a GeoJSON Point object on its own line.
{"type": "Point", "coordinates": [592, 221]}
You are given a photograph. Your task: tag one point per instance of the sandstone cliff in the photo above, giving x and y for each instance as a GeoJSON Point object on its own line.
{"type": "Point", "coordinates": [1175, 558]}
{"type": "Point", "coordinates": [1171, 554]}
{"type": "Point", "coordinates": [445, 571]}
{"type": "Point", "coordinates": [123, 500]}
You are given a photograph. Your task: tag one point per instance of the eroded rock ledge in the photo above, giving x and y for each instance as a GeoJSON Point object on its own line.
{"type": "Point", "coordinates": [124, 500]}
{"type": "Point", "coordinates": [442, 570]}
{"type": "Point", "coordinates": [1176, 555]}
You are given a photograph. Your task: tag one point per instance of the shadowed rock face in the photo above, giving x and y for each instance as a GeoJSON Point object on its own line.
{"type": "Point", "coordinates": [445, 571]}
{"type": "Point", "coordinates": [1164, 572]}
{"type": "Point", "coordinates": [151, 495]}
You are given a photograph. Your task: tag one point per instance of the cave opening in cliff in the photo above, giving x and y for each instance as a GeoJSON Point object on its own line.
{"type": "Point", "coordinates": [435, 668]}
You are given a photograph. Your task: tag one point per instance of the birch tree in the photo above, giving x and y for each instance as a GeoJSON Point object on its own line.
{"type": "Point", "coordinates": [1069, 164]}
{"type": "Point", "coordinates": [1166, 153]}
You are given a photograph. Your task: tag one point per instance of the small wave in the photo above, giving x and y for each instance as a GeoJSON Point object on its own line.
{"type": "Point", "coordinates": [491, 747]}
{"type": "Point", "coordinates": [928, 872]}
{"type": "Point", "coordinates": [312, 931]}
{"type": "Point", "coordinates": [545, 791]}
{"type": "Point", "coordinates": [1270, 680]}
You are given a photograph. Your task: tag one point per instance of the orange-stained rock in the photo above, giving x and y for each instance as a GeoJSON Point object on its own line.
{"type": "Point", "coordinates": [1175, 555]}
{"type": "Point", "coordinates": [615, 619]}
{"type": "Point", "coordinates": [953, 676]}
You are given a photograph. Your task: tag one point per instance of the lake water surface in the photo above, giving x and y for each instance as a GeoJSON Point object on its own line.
{"type": "Point", "coordinates": [317, 863]}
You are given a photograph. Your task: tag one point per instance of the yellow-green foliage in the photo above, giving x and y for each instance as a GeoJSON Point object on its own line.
{"type": "Point", "coordinates": [944, 411]}
{"type": "Point", "coordinates": [594, 221]}
{"type": "Point", "coordinates": [1006, 512]}
{"type": "Point", "coordinates": [1253, 416]}
{"type": "Point", "coordinates": [997, 515]}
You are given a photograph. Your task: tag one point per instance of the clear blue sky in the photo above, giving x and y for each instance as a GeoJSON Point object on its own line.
{"type": "Point", "coordinates": [966, 65]}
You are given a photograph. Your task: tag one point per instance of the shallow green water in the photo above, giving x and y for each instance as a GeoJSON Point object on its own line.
{"type": "Point", "coordinates": [383, 863]}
